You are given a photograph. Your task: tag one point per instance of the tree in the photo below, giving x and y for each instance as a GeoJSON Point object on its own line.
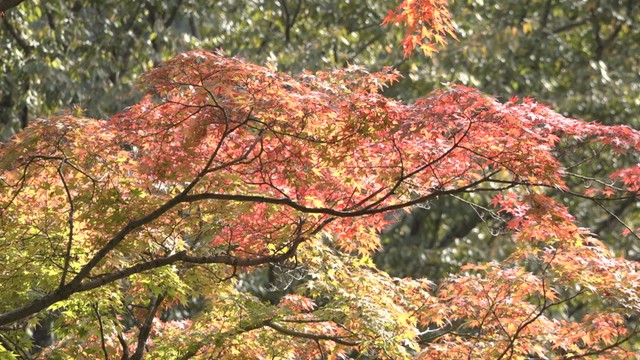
{"type": "Point", "coordinates": [8, 4]}
{"type": "Point", "coordinates": [225, 167]}
{"type": "Point", "coordinates": [53, 45]}
{"type": "Point", "coordinates": [96, 52]}
{"type": "Point", "coordinates": [499, 52]}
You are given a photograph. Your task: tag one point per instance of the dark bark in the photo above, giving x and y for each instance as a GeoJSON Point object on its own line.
{"type": "Point", "coordinates": [8, 4]}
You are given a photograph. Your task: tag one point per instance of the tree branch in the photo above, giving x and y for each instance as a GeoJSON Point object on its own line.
{"type": "Point", "coordinates": [8, 4]}
{"type": "Point", "coordinates": [295, 333]}
{"type": "Point", "coordinates": [145, 329]}
{"type": "Point", "coordinates": [14, 34]}
{"type": "Point", "coordinates": [101, 327]}
{"type": "Point", "coordinates": [67, 255]}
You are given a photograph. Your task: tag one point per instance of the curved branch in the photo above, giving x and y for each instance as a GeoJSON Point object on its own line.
{"type": "Point", "coordinates": [186, 258]}
{"type": "Point", "coordinates": [8, 4]}
{"type": "Point", "coordinates": [335, 339]}
{"type": "Point", "coordinates": [67, 255]}
{"type": "Point", "coordinates": [368, 210]}
{"type": "Point", "coordinates": [22, 43]}
{"type": "Point", "coordinates": [145, 329]}
{"type": "Point", "coordinates": [101, 328]}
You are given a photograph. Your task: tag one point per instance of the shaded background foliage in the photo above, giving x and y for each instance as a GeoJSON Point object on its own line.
{"type": "Point", "coordinates": [94, 51]}
{"type": "Point", "coordinates": [581, 57]}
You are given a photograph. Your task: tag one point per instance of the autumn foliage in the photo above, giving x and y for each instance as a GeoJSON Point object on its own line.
{"type": "Point", "coordinates": [427, 24]}
{"type": "Point", "coordinates": [226, 167]}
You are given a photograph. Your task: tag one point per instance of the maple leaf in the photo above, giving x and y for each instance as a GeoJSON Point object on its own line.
{"type": "Point", "coordinates": [227, 168]}
{"type": "Point", "coordinates": [427, 23]}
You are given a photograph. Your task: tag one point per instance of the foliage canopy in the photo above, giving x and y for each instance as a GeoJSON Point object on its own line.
{"type": "Point", "coordinates": [226, 166]}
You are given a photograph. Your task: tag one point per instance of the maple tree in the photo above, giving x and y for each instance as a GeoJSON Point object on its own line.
{"type": "Point", "coordinates": [428, 22]}
{"type": "Point", "coordinates": [499, 53]}
{"type": "Point", "coordinates": [226, 167]}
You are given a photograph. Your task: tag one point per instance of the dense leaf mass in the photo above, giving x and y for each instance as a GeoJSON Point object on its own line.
{"type": "Point", "coordinates": [427, 23]}
{"type": "Point", "coordinates": [226, 166]}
